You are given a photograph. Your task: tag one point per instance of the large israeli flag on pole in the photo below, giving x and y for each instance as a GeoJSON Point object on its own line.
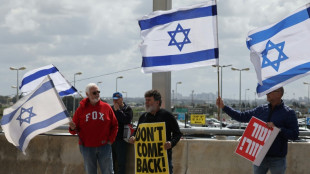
{"type": "Point", "coordinates": [280, 52]}
{"type": "Point", "coordinates": [34, 77]}
{"type": "Point", "coordinates": [179, 38]}
{"type": "Point", "coordinates": [40, 111]}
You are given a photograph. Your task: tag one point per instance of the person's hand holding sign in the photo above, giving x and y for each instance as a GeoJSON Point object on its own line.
{"type": "Point", "coordinates": [167, 145]}
{"type": "Point", "coordinates": [132, 140]}
{"type": "Point", "coordinates": [270, 125]}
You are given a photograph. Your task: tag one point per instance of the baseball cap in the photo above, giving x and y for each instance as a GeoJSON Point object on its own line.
{"type": "Point", "coordinates": [117, 95]}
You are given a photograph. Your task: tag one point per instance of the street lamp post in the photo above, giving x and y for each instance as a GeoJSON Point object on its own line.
{"type": "Point", "coordinates": [306, 83]}
{"type": "Point", "coordinates": [221, 93]}
{"type": "Point", "coordinates": [98, 83]}
{"type": "Point", "coordinates": [120, 77]}
{"type": "Point", "coordinates": [176, 91]}
{"type": "Point", "coordinates": [245, 97]}
{"type": "Point", "coordinates": [236, 69]}
{"type": "Point", "coordinates": [75, 74]}
{"type": "Point", "coordinates": [17, 86]}
{"type": "Point", "coordinates": [173, 97]}
{"type": "Point", "coordinates": [193, 98]}
{"type": "Point", "coordinates": [255, 99]}
{"type": "Point", "coordinates": [221, 66]}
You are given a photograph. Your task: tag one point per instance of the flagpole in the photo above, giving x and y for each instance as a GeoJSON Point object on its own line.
{"type": "Point", "coordinates": [218, 68]}
{"type": "Point", "coordinates": [218, 94]}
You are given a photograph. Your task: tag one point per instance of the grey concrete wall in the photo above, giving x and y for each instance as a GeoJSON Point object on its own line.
{"type": "Point", "coordinates": [61, 155]}
{"type": "Point", "coordinates": [44, 155]}
{"type": "Point", "coordinates": [217, 156]}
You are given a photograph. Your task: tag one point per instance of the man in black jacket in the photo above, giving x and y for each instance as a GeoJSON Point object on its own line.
{"type": "Point", "coordinates": [155, 114]}
{"type": "Point", "coordinates": [123, 114]}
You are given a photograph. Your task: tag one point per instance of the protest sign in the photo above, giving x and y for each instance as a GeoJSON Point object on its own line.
{"type": "Point", "coordinates": [256, 141]}
{"type": "Point", "coordinates": [150, 155]}
{"type": "Point", "coordinates": [198, 119]}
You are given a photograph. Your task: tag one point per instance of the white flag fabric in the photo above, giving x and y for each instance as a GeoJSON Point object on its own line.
{"type": "Point", "coordinates": [280, 52]}
{"type": "Point", "coordinates": [40, 111]}
{"type": "Point", "coordinates": [34, 77]}
{"type": "Point", "coordinates": [179, 38]}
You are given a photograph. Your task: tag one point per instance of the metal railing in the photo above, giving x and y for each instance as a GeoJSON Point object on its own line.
{"type": "Point", "coordinates": [200, 131]}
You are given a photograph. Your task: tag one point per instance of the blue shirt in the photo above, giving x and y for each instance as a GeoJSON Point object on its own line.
{"type": "Point", "coordinates": [282, 117]}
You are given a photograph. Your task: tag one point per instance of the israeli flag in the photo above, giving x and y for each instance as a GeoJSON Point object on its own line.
{"type": "Point", "coordinates": [34, 77]}
{"type": "Point", "coordinates": [280, 52]}
{"type": "Point", "coordinates": [179, 38]}
{"type": "Point", "coordinates": [40, 111]}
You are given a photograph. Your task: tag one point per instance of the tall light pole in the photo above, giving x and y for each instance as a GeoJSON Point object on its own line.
{"type": "Point", "coordinates": [236, 69]}
{"type": "Point", "coordinates": [98, 83]}
{"type": "Point", "coordinates": [245, 97]}
{"type": "Point", "coordinates": [176, 91]}
{"type": "Point", "coordinates": [306, 83]}
{"type": "Point", "coordinates": [255, 98]}
{"type": "Point", "coordinates": [17, 84]}
{"type": "Point", "coordinates": [173, 97]}
{"type": "Point", "coordinates": [193, 98]}
{"type": "Point", "coordinates": [245, 93]}
{"type": "Point", "coordinates": [222, 66]}
{"type": "Point", "coordinates": [221, 94]}
{"type": "Point", "coordinates": [13, 86]}
{"type": "Point", "coordinates": [119, 77]}
{"type": "Point", "coordinates": [75, 74]}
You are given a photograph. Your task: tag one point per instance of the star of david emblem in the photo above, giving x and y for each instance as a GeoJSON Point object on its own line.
{"type": "Point", "coordinates": [281, 56]}
{"type": "Point", "coordinates": [173, 34]}
{"type": "Point", "coordinates": [26, 118]}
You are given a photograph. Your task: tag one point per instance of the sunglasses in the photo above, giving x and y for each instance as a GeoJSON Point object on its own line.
{"type": "Point", "coordinates": [96, 92]}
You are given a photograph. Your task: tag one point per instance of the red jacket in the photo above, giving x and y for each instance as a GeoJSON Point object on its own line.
{"type": "Point", "coordinates": [95, 125]}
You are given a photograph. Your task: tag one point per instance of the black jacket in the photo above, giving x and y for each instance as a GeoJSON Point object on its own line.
{"type": "Point", "coordinates": [173, 133]}
{"type": "Point", "coordinates": [124, 117]}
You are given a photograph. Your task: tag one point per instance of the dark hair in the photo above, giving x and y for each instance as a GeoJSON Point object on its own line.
{"type": "Point", "coordinates": [282, 90]}
{"type": "Point", "coordinates": [153, 93]}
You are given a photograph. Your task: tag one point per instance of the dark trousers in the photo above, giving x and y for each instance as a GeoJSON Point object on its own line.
{"type": "Point", "coordinates": [119, 149]}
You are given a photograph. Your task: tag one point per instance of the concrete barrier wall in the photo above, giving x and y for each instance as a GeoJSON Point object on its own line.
{"type": "Point", "coordinates": [61, 155]}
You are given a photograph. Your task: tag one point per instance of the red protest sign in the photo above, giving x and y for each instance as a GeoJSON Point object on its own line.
{"type": "Point", "coordinates": [256, 141]}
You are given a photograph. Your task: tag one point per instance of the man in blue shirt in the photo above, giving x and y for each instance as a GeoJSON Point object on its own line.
{"type": "Point", "coordinates": [275, 114]}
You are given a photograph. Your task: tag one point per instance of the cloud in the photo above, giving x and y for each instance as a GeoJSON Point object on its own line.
{"type": "Point", "coordinates": [101, 38]}
{"type": "Point", "coordinates": [20, 20]}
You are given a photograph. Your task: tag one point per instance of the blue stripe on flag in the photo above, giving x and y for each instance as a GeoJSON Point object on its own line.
{"type": "Point", "coordinates": [285, 23]}
{"type": "Point", "coordinates": [179, 15]}
{"type": "Point", "coordinates": [72, 90]}
{"type": "Point", "coordinates": [41, 125]}
{"type": "Point", "coordinates": [38, 75]}
{"type": "Point", "coordinates": [275, 80]}
{"type": "Point", "coordinates": [45, 87]}
{"type": "Point", "coordinates": [180, 58]}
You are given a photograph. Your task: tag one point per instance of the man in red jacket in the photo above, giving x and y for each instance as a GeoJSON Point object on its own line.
{"type": "Point", "coordinates": [96, 125]}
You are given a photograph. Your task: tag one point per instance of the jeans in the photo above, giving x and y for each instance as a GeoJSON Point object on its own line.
{"type": "Point", "coordinates": [102, 155]}
{"type": "Point", "coordinates": [276, 165]}
{"type": "Point", "coordinates": [119, 149]}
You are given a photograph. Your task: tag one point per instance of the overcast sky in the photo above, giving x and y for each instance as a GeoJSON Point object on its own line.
{"type": "Point", "coordinates": [100, 37]}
